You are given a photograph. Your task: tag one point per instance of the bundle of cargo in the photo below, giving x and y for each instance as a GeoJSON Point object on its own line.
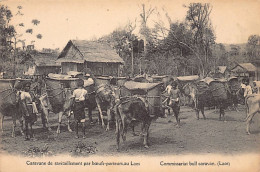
{"type": "Point", "coordinates": [103, 80]}
{"type": "Point", "coordinates": [19, 82]}
{"type": "Point", "coordinates": [7, 93]}
{"type": "Point", "coordinates": [120, 81]}
{"type": "Point", "coordinates": [58, 76]}
{"type": "Point", "coordinates": [150, 91]}
{"type": "Point", "coordinates": [218, 89]}
{"type": "Point", "coordinates": [57, 89]}
{"type": "Point", "coordinates": [157, 78]}
{"type": "Point", "coordinates": [234, 84]}
{"type": "Point", "coordinates": [202, 86]}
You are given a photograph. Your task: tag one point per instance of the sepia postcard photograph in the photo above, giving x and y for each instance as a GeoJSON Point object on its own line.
{"type": "Point", "coordinates": [140, 85]}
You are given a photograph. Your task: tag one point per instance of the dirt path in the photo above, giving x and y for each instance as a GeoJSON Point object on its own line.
{"type": "Point", "coordinates": [193, 137]}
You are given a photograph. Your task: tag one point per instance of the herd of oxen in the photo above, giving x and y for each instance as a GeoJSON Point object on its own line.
{"type": "Point", "coordinates": [124, 100]}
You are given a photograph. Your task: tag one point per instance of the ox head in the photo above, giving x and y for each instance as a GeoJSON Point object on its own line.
{"type": "Point", "coordinates": [69, 100]}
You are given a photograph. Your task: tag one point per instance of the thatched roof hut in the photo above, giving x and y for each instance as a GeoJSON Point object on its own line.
{"type": "Point", "coordinates": [245, 70]}
{"type": "Point", "coordinates": [43, 64]}
{"type": "Point", "coordinates": [100, 58]}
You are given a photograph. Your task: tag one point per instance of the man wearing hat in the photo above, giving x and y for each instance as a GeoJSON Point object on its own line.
{"type": "Point", "coordinates": [29, 109]}
{"type": "Point", "coordinates": [79, 114]}
{"type": "Point", "coordinates": [88, 80]}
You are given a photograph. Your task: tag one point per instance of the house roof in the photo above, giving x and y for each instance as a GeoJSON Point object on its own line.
{"type": "Point", "coordinates": [46, 59]}
{"type": "Point", "coordinates": [221, 69]}
{"type": "Point", "coordinates": [188, 78]}
{"type": "Point", "coordinates": [246, 66]}
{"type": "Point", "coordinates": [91, 51]}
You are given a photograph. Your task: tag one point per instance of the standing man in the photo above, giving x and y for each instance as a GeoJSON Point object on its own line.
{"type": "Point", "coordinates": [79, 114]}
{"type": "Point", "coordinates": [167, 100]}
{"type": "Point", "coordinates": [91, 104]}
{"type": "Point", "coordinates": [248, 89]}
{"type": "Point", "coordinates": [29, 110]}
{"type": "Point", "coordinates": [174, 102]}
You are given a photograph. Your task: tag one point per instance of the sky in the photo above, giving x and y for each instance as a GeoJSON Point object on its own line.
{"type": "Point", "coordinates": [61, 20]}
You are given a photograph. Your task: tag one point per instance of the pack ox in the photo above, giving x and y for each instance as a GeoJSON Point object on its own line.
{"type": "Point", "coordinates": [129, 110]}
{"type": "Point", "coordinates": [59, 94]}
{"type": "Point", "coordinates": [105, 99]}
{"type": "Point", "coordinates": [137, 103]}
{"type": "Point", "coordinates": [209, 92]}
{"type": "Point", "coordinates": [253, 107]}
{"type": "Point", "coordinates": [9, 104]}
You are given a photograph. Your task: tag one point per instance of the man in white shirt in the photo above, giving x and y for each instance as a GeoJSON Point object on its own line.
{"type": "Point", "coordinates": [79, 114]}
{"type": "Point", "coordinates": [248, 89]}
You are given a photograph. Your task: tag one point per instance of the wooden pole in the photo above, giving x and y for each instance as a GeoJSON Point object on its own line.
{"type": "Point", "coordinates": [132, 56]}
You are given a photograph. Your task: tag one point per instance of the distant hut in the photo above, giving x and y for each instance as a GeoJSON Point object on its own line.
{"type": "Point", "coordinates": [100, 58]}
{"type": "Point", "coordinates": [222, 72]}
{"type": "Point", "coordinates": [245, 70]}
{"type": "Point", "coordinates": [257, 64]}
{"type": "Point", "coordinates": [43, 64]}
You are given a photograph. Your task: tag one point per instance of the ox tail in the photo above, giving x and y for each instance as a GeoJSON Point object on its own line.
{"type": "Point", "coordinates": [247, 107]}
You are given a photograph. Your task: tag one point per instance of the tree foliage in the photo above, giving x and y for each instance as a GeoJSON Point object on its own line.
{"type": "Point", "coordinates": [253, 47]}
{"type": "Point", "coordinates": [10, 53]}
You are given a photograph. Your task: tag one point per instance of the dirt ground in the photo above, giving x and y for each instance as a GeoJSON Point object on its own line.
{"type": "Point", "coordinates": [193, 137]}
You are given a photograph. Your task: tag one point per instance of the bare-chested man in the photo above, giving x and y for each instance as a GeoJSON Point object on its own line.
{"type": "Point", "coordinates": [174, 102]}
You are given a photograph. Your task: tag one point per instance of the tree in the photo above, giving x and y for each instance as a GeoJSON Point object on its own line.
{"type": "Point", "coordinates": [198, 18]}
{"type": "Point", "coordinates": [253, 47]}
{"type": "Point", "coordinates": [9, 38]}
{"type": "Point", "coordinates": [7, 31]}
{"type": "Point", "coordinates": [121, 40]}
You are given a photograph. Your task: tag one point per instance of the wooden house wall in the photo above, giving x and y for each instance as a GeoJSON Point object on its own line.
{"type": "Point", "coordinates": [45, 70]}
{"type": "Point", "coordinates": [242, 73]}
{"type": "Point", "coordinates": [69, 66]}
{"type": "Point", "coordinates": [99, 69]}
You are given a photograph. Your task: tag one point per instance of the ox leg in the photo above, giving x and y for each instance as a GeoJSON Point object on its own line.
{"type": "Point", "coordinates": [101, 115]}
{"type": "Point", "coordinates": [118, 123]}
{"type": "Point", "coordinates": [221, 113]}
{"type": "Point", "coordinates": [30, 130]}
{"type": "Point", "coordinates": [59, 116]}
{"type": "Point", "coordinates": [197, 113]}
{"type": "Point", "coordinates": [108, 119]}
{"type": "Point", "coordinates": [45, 118]}
{"type": "Point", "coordinates": [202, 111]}
{"type": "Point", "coordinates": [90, 115]}
{"type": "Point", "coordinates": [69, 115]}
{"type": "Point", "coordinates": [45, 112]}
{"type": "Point", "coordinates": [146, 133]}
{"type": "Point", "coordinates": [133, 129]}
{"type": "Point", "coordinates": [1, 122]}
{"type": "Point", "coordinates": [248, 121]}
{"type": "Point", "coordinates": [21, 125]}
{"type": "Point", "coordinates": [14, 125]}
{"type": "Point", "coordinates": [124, 128]}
